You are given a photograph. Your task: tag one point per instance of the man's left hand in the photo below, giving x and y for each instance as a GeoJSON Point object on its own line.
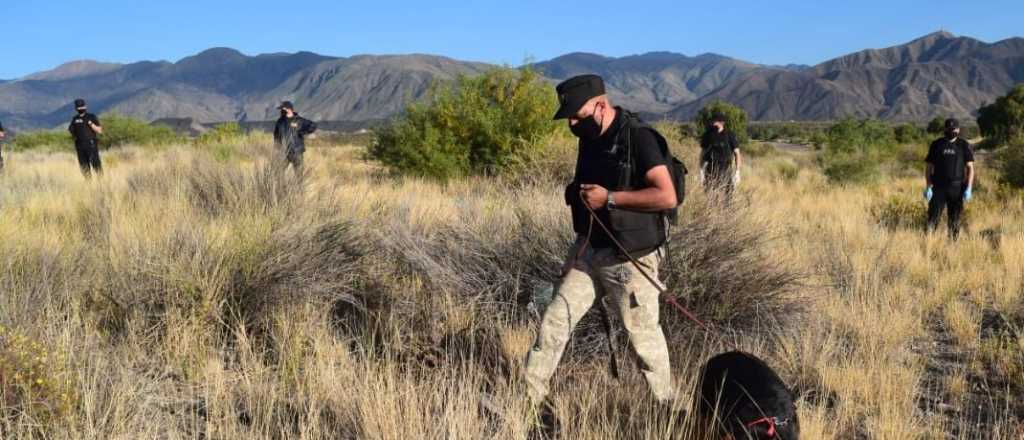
{"type": "Point", "coordinates": [968, 194]}
{"type": "Point", "coordinates": [594, 196]}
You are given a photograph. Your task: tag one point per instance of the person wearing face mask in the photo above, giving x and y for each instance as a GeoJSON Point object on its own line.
{"type": "Point", "coordinates": [950, 177]}
{"type": "Point", "coordinates": [720, 158]}
{"type": "Point", "coordinates": [623, 175]}
{"type": "Point", "coordinates": [290, 134]}
{"type": "Point", "coordinates": [2, 136]}
{"type": "Point", "coordinates": [85, 128]}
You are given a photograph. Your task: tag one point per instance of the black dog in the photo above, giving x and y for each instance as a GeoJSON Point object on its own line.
{"type": "Point", "coordinates": [740, 397]}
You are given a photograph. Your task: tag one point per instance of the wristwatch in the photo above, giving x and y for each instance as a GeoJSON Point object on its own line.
{"type": "Point", "coordinates": [611, 201]}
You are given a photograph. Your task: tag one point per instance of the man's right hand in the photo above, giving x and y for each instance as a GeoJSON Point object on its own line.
{"type": "Point", "coordinates": [928, 193]}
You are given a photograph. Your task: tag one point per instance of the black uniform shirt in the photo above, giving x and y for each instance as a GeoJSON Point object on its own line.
{"type": "Point", "coordinates": [949, 160]}
{"type": "Point", "coordinates": [80, 129]}
{"type": "Point", "coordinates": [599, 164]}
{"type": "Point", "coordinates": [718, 149]}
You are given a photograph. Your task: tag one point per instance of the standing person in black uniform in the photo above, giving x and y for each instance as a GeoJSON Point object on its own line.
{"type": "Point", "coordinates": [84, 128]}
{"type": "Point", "coordinates": [950, 177]}
{"type": "Point", "coordinates": [2, 136]}
{"type": "Point", "coordinates": [719, 154]}
{"type": "Point", "coordinates": [290, 133]}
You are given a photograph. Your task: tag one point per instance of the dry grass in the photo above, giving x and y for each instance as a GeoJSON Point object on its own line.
{"type": "Point", "coordinates": [207, 294]}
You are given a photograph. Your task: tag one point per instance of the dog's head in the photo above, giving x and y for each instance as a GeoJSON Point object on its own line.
{"type": "Point", "coordinates": [739, 397]}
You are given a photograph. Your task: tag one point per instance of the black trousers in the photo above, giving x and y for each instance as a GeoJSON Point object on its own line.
{"type": "Point", "coordinates": [89, 157]}
{"type": "Point", "coordinates": [720, 181]}
{"type": "Point", "coordinates": [951, 198]}
{"type": "Point", "coordinates": [295, 159]}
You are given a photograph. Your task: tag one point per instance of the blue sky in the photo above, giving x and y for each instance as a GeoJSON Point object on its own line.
{"type": "Point", "coordinates": [37, 37]}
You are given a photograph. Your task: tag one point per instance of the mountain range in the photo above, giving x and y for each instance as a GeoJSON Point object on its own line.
{"type": "Point", "coordinates": [939, 74]}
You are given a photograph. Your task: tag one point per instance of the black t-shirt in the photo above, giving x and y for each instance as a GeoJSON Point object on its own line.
{"type": "Point", "coordinates": [949, 160]}
{"type": "Point", "coordinates": [600, 163]}
{"type": "Point", "coordinates": [717, 150]}
{"type": "Point", "coordinates": [79, 127]}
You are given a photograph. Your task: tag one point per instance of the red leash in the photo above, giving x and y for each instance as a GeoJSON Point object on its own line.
{"type": "Point", "coordinates": [772, 422]}
{"type": "Point", "coordinates": [665, 294]}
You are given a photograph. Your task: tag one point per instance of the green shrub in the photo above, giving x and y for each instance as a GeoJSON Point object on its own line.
{"type": "Point", "coordinates": [850, 168]}
{"type": "Point", "coordinates": [42, 140]}
{"type": "Point", "coordinates": [483, 125]}
{"type": "Point", "coordinates": [222, 133]}
{"type": "Point", "coordinates": [937, 125]}
{"type": "Point", "coordinates": [860, 136]}
{"type": "Point", "coordinates": [736, 118]}
{"type": "Point", "coordinates": [121, 130]}
{"type": "Point", "coordinates": [856, 149]}
{"type": "Point", "coordinates": [32, 380]}
{"type": "Point", "coordinates": [900, 212]}
{"type": "Point", "coordinates": [1010, 161]}
{"type": "Point", "coordinates": [1003, 121]}
{"type": "Point", "coordinates": [909, 134]}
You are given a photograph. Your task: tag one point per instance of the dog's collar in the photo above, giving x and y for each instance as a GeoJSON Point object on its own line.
{"type": "Point", "coordinates": [772, 422]}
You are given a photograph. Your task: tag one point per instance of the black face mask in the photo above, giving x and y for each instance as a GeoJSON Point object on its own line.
{"type": "Point", "coordinates": [284, 114]}
{"type": "Point", "coordinates": [81, 112]}
{"type": "Point", "coordinates": [950, 134]}
{"type": "Point", "coordinates": [586, 129]}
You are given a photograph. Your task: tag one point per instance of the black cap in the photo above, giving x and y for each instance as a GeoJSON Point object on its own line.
{"type": "Point", "coordinates": [79, 103]}
{"type": "Point", "coordinates": [952, 124]}
{"type": "Point", "coordinates": [576, 91]}
{"type": "Point", "coordinates": [286, 105]}
{"type": "Point", "coordinates": [718, 117]}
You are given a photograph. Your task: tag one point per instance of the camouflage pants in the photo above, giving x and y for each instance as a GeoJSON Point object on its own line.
{"type": "Point", "coordinates": [600, 272]}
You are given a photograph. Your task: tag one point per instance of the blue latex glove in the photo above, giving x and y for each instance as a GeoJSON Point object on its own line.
{"type": "Point", "coordinates": [928, 194]}
{"type": "Point", "coordinates": [967, 194]}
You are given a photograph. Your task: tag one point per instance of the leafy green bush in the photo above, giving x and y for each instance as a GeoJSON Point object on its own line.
{"type": "Point", "coordinates": [850, 168]}
{"type": "Point", "coordinates": [121, 130]}
{"type": "Point", "coordinates": [1003, 121]}
{"type": "Point", "coordinates": [937, 125]}
{"type": "Point", "coordinates": [485, 124]}
{"type": "Point", "coordinates": [1011, 163]}
{"type": "Point", "coordinates": [42, 140]}
{"type": "Point", "coordinates": [736, 118]}
{"type": "Point", "coordinates": [222, 133]}
{"type": "Point", "coordinates": [856, 149]}
{"type": "Point", "coordinates": [909, 134]}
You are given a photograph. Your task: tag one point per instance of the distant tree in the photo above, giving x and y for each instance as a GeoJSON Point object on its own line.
{"type": "Point", "coordinates": [1003, 121]}
{"type": "Point", "coordinates": [937, 125]}
{"type": "Point", "coordinates": [475, 125]}
{"type": "Point", "coordinates": [736, 118]}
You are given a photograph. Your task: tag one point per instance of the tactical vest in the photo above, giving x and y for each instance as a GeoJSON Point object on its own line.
{"type": "Point", "coordinates": [718, 154]}
{"type": "Point", "coordinates": [637, 231]}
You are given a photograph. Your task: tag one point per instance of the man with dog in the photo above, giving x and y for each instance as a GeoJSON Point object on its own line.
{"type": "Point", "coordinates": [623, 182]}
